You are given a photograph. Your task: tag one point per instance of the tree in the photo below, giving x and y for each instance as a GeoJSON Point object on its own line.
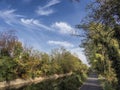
{"type": "Point", "coordinates": [103, 36]}
{"type": "Point", "coordinates": [9, 50]}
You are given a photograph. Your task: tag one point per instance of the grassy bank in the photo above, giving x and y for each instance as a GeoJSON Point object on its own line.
{"type": "Point", "coordinates": [72, 82]}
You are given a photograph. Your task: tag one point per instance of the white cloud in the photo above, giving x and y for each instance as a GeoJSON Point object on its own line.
{"type": "Point", "coordinates": [46, 10]}
{"type": "Point", "coordinates": [61, 43]}
{"type": "Point", "coordinates": [34, 23]}
{"type": "Point", "coordinates": [63, 28]}
{"type": "Point", "coordinates": [26, 21]}
{"type": "Point", "coordinates": [51, 3]}
{"type": "Point", "coordinates": [37, 23]}
{"type": "Point", "coordinates": [9, 16]}
{"type": "Point", "coordinates": [12, 18]}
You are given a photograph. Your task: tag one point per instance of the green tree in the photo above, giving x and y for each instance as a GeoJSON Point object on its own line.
{"type": "Point", "coordinates": [103, 35]}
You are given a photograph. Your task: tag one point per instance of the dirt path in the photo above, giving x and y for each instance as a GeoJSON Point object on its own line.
{"type": "Point", "coordinates": [92, 83]}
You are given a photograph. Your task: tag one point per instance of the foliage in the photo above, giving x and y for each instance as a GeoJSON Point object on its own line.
{"type": "Point", "coordinates": [70, 83]}
{"type": "Point", "coordinates": [102, 45]}
{"type": "Point", "coordinates": [17, 61]}
{"type": "Point", "coordinates": [65, 83]}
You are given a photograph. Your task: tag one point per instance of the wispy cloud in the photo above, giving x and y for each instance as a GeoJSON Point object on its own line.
{"type": "Point", "coordinates": [34, 23]}
{"type": "Point", "coordinates": [9, 16]}
{"type": "Point", "coordinates": [63, 28]}
{"type": "Point", "coordinates": [51, 3]}
{"type": "Point", "coordinates": [46, 10]}
{"type": "Point", "coordinates": [60, 43]}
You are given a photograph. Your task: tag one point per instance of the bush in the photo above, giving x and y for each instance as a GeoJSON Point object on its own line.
{"type": "Point", "coordinates": [70, 83]}
{"type": "Point", "coordinates": [107, 86]}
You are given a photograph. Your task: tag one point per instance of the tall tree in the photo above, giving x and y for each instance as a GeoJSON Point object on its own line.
{"type": "Point", "coordinates": [103, 35]}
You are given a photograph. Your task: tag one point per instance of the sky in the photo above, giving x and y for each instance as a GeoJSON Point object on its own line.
{"type": "Point", "coordinates": [45, 24]}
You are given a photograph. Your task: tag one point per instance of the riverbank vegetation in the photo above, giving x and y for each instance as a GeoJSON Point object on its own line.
{"type": "Point", "coordinates": [72, 82]}
{"type": "Point", "coordinates": [17, 61]}
{"type": "Point", "coordinates": [102, 40]}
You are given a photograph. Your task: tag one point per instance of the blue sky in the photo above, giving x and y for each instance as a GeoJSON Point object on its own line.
{"type": "Point", "coordinates": [44, 24]}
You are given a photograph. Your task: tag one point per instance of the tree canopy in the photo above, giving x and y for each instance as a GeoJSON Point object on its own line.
{"type": "Point", "coordinates": [102, 44]}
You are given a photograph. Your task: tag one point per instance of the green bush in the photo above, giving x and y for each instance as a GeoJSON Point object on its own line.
{"type": "Point", "coordinates": [107, 86]}
{"type": "Point", "coordinates": [70, 83]}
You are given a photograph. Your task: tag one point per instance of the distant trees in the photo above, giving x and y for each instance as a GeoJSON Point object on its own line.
{"type": "Point", "coordinates": [8, 43]}
{"type": "Point", "coordinates": [10, 47]}
{"type": "Point", "coordinates": [17, 61]}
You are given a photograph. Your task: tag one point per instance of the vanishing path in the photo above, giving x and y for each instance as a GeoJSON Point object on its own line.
{"type": "Point", "coordinates": [92, 83]}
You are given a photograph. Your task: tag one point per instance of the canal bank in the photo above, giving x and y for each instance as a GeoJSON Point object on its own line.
{"type": "Point", "coordinates": [17, 83]}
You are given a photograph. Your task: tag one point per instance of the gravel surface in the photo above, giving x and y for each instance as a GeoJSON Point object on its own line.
{"type": "Point", "coordinates": [92, 83]}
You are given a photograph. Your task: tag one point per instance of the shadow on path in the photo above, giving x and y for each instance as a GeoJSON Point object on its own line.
{"type": "Point", "coordinates": [92, 83]}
